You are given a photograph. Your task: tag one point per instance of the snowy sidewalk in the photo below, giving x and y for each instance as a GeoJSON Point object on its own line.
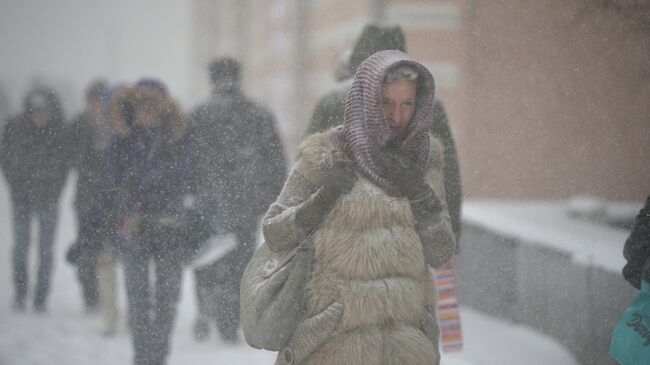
{"type": "Point", "coordinates": [66, 336]}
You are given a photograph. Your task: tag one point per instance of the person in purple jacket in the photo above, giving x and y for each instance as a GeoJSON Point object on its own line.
{"type": "Point", "coordinates": [147, 179]}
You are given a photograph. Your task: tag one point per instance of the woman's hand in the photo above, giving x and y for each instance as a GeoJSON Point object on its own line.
{"type": "Point", "coordinates": [338, 181]}
{"type": "Point", "coordinates": [403, 172]}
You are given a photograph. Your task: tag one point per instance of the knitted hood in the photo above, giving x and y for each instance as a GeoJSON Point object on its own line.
{"type": "Point", "coordinates": [365, 131]}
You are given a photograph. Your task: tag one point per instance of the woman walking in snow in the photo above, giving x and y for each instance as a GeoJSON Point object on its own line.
{"type": "Point", "coordinates": [146, 174]}
{"type": "Point", "coordinates": [370, 196]}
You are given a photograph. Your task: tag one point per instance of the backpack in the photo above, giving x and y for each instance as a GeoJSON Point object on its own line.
{"type": "Point", "coordinates": [631, 338]}
{"type": "Point", "coordinates": [273, 294]}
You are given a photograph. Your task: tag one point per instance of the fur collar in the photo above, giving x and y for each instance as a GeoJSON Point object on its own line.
{"type": "Point", "coordinates": [319, 151]}
{"type": "Point", "coordinates": [124, 102]}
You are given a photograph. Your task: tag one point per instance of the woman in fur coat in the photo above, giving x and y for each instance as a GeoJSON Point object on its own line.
{"type": "Point", "coordinates": [370, 196]}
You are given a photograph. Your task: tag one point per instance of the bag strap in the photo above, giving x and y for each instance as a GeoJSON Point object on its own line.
{"type": "Point", "coordinates": [645, 286]}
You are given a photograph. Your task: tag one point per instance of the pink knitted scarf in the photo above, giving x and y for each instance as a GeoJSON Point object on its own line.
{"type": "Point", "coordinates": [365, 131]}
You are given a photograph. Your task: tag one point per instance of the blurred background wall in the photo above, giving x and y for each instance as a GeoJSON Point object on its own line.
{"type": "Point", "coordinates": [547, 100]}
{"type": "Point", "coordinates": [66, 43]}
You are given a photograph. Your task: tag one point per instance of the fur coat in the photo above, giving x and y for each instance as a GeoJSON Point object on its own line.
{"type": "Point", "coordinates": [371, 255]}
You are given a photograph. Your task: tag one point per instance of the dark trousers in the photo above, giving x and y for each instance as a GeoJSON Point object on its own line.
{"type": "Point", "coordinates": [87, 275]}
{"type": "Point", "coordinates": [47, 217]}
{"type": "Point", "coordinates": [87, 271]}
{"type": "Point", "coordinates": [152, 306]}
{"type": "Point", "coordinates": [217, 285]}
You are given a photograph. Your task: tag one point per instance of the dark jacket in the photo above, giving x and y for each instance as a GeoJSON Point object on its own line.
{"type": "Point", "coordinates": [637, 249]}
{"type": "Point", "coordinates": [86, 140]}
{"type": "Point", "coordinates": [144, 172]}
{"type": "Point", "coordinates": [241, 163]}
{"type": "Point", "coordinates": [33, 158]}
{"type": "Point", "coordinates": [329, 110]}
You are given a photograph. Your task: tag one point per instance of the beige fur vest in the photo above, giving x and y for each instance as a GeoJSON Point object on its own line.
{"type": "Point", "coordinates": [369, 254]}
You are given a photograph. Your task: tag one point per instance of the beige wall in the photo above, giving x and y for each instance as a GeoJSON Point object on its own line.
{"type": "Point", "coordinates": [554, 108]}
{"type": "Point", "coordinates": [543, 103]}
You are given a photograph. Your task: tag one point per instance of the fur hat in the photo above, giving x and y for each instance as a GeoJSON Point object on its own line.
{"type": "Point", "coordinates": [126, 100]}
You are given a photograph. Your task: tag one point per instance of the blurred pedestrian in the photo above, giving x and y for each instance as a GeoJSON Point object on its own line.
{"type": "Point", "coordinates": [328, 111]}
{"type": "Point", "coordinates": [369, 197]}
{"type": "Point", "coordinates": [88, 136]}
{"type": "Point", "coordinates": [90, 140]}
{"type": "Point", "coordinates": [629, 344]}
{"type": "Point", "coordinates": [241, 170]}
{"type": "Point", "coordinates": [4, 108]}
{"type": "Point", "coordinates": [637, 249]}
{"type": "Point", "coordinates": [147, 172]}
{"type": "Point", "coordinates": [33, 160]}
{"type": "Point", "coordinates": [342, 70]}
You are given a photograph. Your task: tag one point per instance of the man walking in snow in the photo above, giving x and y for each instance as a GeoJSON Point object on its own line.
{"type": "Point", "coordinates": [88, 135]}
{"type": "Point", "coordinates": [241, 169]}
{"type": "Point", "coordinates": [34, 162]}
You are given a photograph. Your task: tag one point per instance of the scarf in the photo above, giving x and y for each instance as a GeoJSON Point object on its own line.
{"type": "Point", "coordinates": [365, 131]}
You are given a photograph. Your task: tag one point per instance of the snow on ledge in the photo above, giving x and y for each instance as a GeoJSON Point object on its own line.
{"type": "Point", "coordinates": [547, 223]}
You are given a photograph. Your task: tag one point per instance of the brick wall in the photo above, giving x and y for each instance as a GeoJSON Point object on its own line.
{"type": "Point", "coordinates": [545, 102]}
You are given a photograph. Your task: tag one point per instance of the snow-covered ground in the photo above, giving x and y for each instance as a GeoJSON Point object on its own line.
{"type": "Point", "coordinates": [551, 224]}
{"type": "Point", "coordinates": [65, 335]}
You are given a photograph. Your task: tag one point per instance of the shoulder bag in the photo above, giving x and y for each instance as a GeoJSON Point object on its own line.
{"type": "Point", "coordinates": [273, 294]}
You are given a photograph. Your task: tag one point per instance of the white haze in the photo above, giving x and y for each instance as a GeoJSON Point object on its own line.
{"type": "Point", "coordinates": [69, 42]}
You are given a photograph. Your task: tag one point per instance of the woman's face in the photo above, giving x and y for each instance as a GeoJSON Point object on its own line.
{"type": "Point", "coordinates": [41, 118]}
{"type": "Point", "coordinates": [398, 100]}
{"type": "Point", "coordinates": [147, 116]}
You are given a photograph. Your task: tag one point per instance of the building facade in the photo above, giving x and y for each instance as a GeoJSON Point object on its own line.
{"type": "Point", "coordinates": [544, 98]}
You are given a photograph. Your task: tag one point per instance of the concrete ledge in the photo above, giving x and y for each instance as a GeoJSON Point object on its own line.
{"type": "Point", "coordinates": [543, 287]}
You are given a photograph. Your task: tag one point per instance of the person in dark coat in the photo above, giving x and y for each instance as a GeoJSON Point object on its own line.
{"type": "Point", "coordinates": [4, 108]}
{"type": "Point", "coordinates": [328, 111]}
{"type": "Point", "coordinates": [33, 159]}
{"type": "Point", "coordinates": [241, 170]}
{"type": "Point", "coordinates": [88, 136]}
{"type": "Point", "coordinates": [146, 174]}
{"type": "Point", "coordinates": [637, 249]}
